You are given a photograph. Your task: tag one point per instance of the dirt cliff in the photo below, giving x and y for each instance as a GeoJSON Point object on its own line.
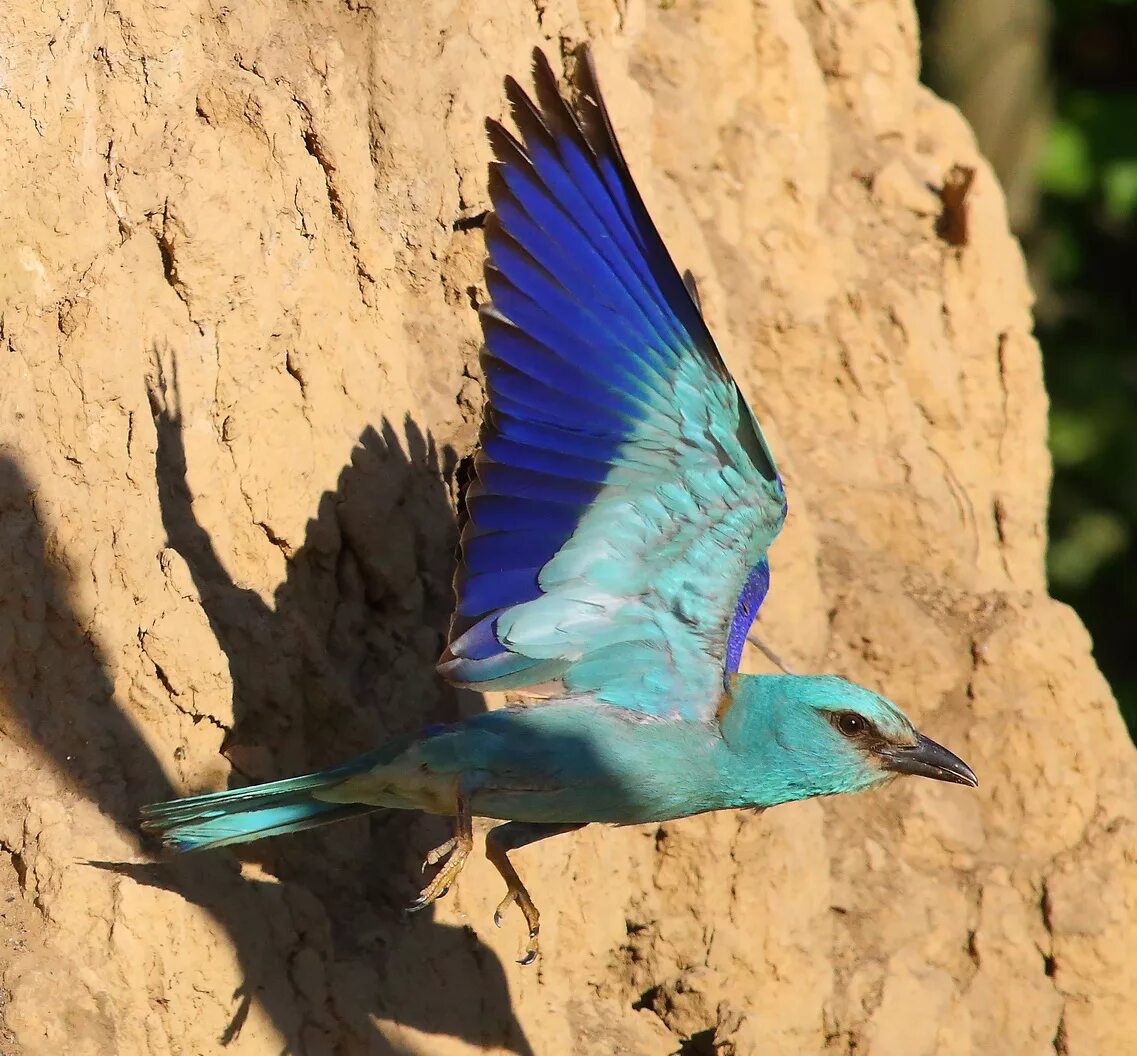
{"type": "Point", "coordinates": [238, 250]}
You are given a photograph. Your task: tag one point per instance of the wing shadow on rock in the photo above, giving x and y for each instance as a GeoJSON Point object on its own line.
{"type": "Point", "coordinates": [341, 660]}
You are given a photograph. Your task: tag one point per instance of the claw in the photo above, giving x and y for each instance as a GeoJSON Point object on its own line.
{"type": "Point", "coordinates": [532, 917]}
{"type": "Point", "coordinates": [423, 901]}
{"type": "Point", "coordinates": [454, 852]}
{"type": "Point", "coordinates": [532, 947]}
{"type": "Point", "coordinates": [515, 894]}
{"type": "Point", "coordinates": [503, 905]}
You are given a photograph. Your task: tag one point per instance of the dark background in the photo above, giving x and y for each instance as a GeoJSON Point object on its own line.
{"type": "Point", "coordinates": [1050, 87]}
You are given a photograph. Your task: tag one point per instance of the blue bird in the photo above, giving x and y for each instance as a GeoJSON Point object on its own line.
{"type": "Point", "coordinates": [613, 560]}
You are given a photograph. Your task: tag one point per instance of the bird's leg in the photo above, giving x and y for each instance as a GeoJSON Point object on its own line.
{"type": "Point", "coordinates": [454, 852]}
{"type": "Point", "coordinates": [511, 837]}
{"type": "Point", "coordinates": [767, 652]}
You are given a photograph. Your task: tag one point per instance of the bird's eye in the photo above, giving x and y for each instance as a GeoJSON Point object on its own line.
{"type": "Point", "coordinates": [851, 724]}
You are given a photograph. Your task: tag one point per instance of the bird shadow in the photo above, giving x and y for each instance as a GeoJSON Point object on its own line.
{"type": "Point", "coordinates": [341, 659]}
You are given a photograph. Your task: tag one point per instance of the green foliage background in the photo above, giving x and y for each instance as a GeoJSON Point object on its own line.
{"type": "Point", "coordinates": [1069, 67]}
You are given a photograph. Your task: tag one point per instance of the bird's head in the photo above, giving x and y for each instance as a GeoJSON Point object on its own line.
{"type": "Point", "coordinates": [820, 735]}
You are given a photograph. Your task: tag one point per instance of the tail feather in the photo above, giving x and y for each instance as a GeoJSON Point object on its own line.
{"type": "Point", "coordinates": [198, 823]}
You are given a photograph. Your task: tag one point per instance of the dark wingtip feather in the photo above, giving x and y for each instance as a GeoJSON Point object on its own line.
{"type": "Point", "coordinates": [601, 136]}
{"type": "Point", "coordinates": [693, 289]}
{"type": "Point", "coordinates": [507, 148]}
{"type": "Point", "coordinates": [558, 115]}
{"type": "Point", "coordinates": [514, 93]}
{"type": "Point", "coordinates": [543, 75]}
{"type": "Point", "coordinates": [539, 57]}
{"type": "Point", "coordinates": [517, 97]}
{"type": "Point", "coordinates": [528, 117]}
{"type": "Point", "coordinates": [592, 105]}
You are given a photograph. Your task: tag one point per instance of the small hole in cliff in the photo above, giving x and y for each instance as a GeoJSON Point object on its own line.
{"type": "Point", "coordinates": [21, 868]}
{"type": "Point", "coordinates": [469, 223]}
{"type": "Point", "coordinates": [700, 1044]}
{"type": "Point", "coordinates": [1049, 966]}
{"type": "Point", "coordinates": [647, 1000]}
{"type": "Point", "coordinates": [169, 268]}
{"type": "Point", "coordinates": [951, 224]}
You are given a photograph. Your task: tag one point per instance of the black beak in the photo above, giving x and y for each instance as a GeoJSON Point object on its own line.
{"type": "Point", "coordinates": [925, 758]}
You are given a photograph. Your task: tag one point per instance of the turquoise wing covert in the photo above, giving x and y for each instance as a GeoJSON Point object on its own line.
{"type": "Point", "coordinates": [623, 496]}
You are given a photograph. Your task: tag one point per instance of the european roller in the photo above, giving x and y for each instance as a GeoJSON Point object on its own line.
{"type": "Point", "coordinates": [612, 561]}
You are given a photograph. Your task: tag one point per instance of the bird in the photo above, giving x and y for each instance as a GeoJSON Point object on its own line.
{"type": "Point", "coordinates": [612, 561]}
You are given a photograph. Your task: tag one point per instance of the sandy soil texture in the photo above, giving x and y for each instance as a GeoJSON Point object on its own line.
{"type": "Point", "coordinates": [238, 258]}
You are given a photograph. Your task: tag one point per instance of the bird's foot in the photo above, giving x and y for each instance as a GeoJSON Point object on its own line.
{"type": "Point", "coordinates": [499, 842]}
{"type": "Point", "coordinates": [453, 854]}
{"type": "Point", "coordinates": [516, 895]}
{"type": "Point", "coordinates": [455, 851]}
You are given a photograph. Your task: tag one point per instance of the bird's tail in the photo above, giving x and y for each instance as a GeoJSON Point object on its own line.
{"type": "Point", "coordinates": [198, 823]}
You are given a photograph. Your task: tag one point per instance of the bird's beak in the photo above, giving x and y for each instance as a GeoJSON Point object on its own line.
{"type": "Point", "coordinates": [925, 758]}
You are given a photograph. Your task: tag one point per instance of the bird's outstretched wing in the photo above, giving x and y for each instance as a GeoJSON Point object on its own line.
{"type": "Point", "coordinates": [624, 496]}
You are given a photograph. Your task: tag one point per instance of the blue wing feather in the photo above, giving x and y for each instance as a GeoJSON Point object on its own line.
{"type": "Point", "coordinates": [581, 335]}
{"type": "Point", "coordinates": [503, 551]}
{"type": "Point", "coordinates": [545, 401]}
{"type": "Point", "coordinates": [591, 285]}
{"type": "Point", "coordinates": [500, 513]}
{"type": "Point", "coordinates": [528, 484]}
{"type": "Point", "coordinates": [746, 611]}
{"type": "Point", "coordinates": [559, 228]}
{"type": "Point", "coordinates": [516, 349]}
{"type": "Point", "coordinates": [563, 162]}
{"type": "Point", "coordinates": [624, 496]}
{"type": "Point", "coordinates": [591, 446]}
{"type": "Point", "coordinates": [526, 456]}
{"type": "Point", "coordinates": [482, 592]}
